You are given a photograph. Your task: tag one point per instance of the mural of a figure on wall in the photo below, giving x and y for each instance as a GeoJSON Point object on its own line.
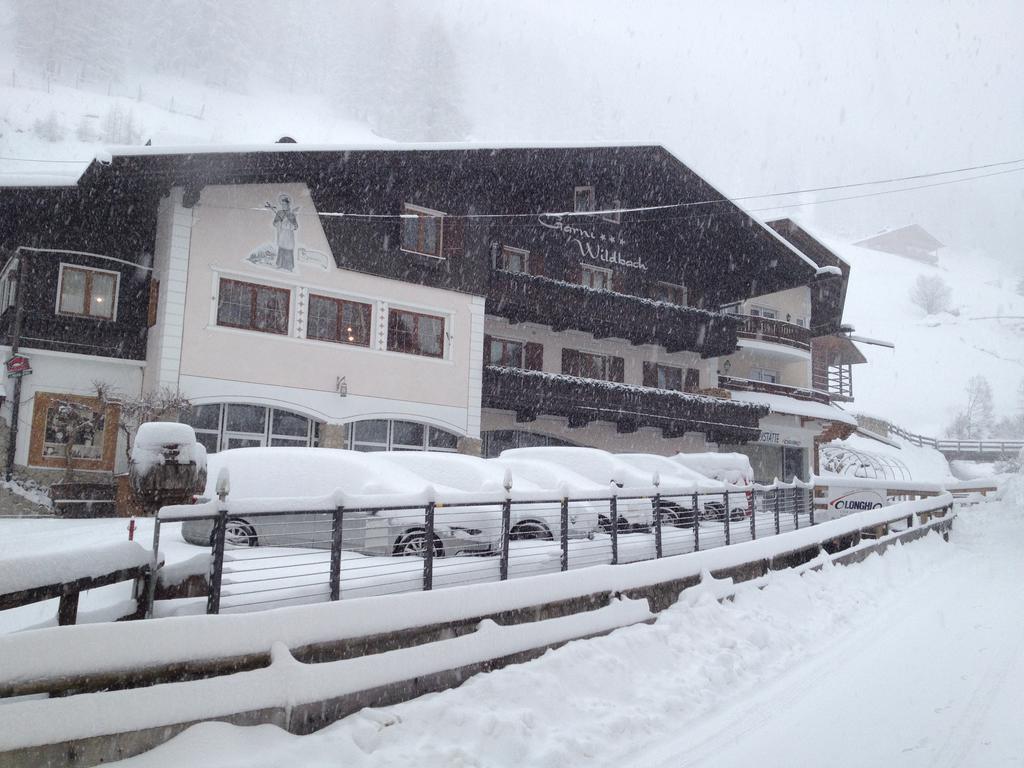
{"type": "Point", "coordinates": [285, 222]}
{"type": "Point", "coordinates": [285, 252]}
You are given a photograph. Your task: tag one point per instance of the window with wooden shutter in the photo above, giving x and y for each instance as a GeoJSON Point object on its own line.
{"type": "Point", "coordinates": [534, 356]}
{"type": "Point", "coordinates": [617, 369]}
{"type": "Point", "coordinates": [692, 380]}
{"type": "Point", "coordinates": [650, 374]}
{"type": "Point", "coordinates": [154, 301]}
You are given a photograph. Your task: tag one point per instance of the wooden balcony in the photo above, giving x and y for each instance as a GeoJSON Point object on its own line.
{"type": "Point", "coordinates": [768, 388]}
{"type": "Point", "coordinates": [522, 298]}
{"type": "Point", "coordinates": [582, 401]}
{"type": "Point", "coordinates": [774, 331]}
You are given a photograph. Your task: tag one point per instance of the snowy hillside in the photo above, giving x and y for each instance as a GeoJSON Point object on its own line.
{"type": "Point", "coordinates": [920, 384]}
{"type": "Point", "coordinates": [61, 122]}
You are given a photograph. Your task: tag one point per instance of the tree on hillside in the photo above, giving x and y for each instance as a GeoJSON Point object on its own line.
{"type": "Point", "coordinates": [975, 421]}
{"type": "Point", "coordinates": [931, 293]}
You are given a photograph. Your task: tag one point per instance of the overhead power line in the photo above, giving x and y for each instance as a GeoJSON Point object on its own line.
{"type": "Point", "coordinates": [669, 206]}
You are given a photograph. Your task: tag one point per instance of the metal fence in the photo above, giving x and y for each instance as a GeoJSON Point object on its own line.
{"type": "Point", "coordinates": [265, 558]}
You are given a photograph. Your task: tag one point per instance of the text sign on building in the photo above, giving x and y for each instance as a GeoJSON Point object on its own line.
{"type": "Point", "coordinates": [591, 245]}
{"type": "Point", "coordinates": [773, 437]}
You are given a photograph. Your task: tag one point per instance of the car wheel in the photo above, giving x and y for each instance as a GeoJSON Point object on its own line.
{"type": "Point", "coordinates": [679, 518]}
{"type": "Point", "coordinates": [530, 529]}
{"type": "Point", "coordinates": [738, 514]}
{"type": "Point", "coordinates": [605, 524]}
{"type": "Point", "coordinates": [414, 544]}
{"type": "Point", "coordinates": [238, 533]}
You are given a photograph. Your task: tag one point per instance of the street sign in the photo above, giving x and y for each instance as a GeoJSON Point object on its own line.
{"type": "Point", "coordinates": [17, 366]}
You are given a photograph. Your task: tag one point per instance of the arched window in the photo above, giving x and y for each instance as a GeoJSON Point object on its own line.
{"type": "Point", "coordinates": [394, 435]}
{"type": "Point", "coordinates": [220, 426]}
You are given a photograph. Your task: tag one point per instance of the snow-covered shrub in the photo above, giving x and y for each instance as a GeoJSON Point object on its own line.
{"type": "Point", "coordinates": [931, 293]}
{"type": "Point", "coordinates": [51, 129]}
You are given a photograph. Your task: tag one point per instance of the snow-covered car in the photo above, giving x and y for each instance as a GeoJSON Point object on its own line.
{"type": "Point", "coordinates": [282, 473]}
{"type": "Point", "coordinates": [529, 520]}
{"type": "Point", "coordinates": [731, 468]}
{"type": "Point", "coordinates": [602, 469]}
{"type": "Point", "coordinates": [677, 481]}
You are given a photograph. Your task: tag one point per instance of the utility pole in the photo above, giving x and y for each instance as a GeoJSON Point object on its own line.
{"type": "Point", "coordinates": [19, 313]}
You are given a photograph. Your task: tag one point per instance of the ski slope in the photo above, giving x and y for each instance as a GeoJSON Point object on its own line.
{"type": "Point", "coordinates": [911, 659]}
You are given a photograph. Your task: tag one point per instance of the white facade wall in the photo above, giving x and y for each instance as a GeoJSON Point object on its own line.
{"type": "Point", "coordinates": [209, 363]}
{"type": "Point", "coordinates": [68, 374]}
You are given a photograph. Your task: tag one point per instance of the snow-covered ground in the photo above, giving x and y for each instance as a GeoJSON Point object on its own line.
{"type": "Point", "coordinates": [920, 385]}
{"type": "Point", "coordinates": [911, 659]}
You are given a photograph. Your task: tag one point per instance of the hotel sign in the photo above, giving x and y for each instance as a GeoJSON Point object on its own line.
{"type": "Point", "coordinates": [591, 245]}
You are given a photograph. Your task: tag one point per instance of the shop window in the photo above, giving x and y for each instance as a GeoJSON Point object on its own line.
{"type": "Point", "coordinates": [584, 200]}
{"type": "Point", "coordinates": [597, 278]}
{"type": "Point", "coordinates": [253, 307]}
{"type": "Point", "coordinates": [242, 425]}
{"type": "Point", "coordinates": [415, 333]}
{"type": "Point", "coordinates": [338, 320]}
{"type": "Point", "coordinates": [498, 440]}
{"type": "Point", "coordinates": [87, 292]}
{"type": "Point", "coordinates": [75, 428]}
{"type": "Point", "coordinates": [421, 230]}
{"type": "Point", "coordinates": [589, 365]}
{"type": "Point", "coordinates": [387, 435]}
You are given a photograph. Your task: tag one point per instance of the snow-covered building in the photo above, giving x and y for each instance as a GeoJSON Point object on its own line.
{"type": "Point", "coordinates": [432, 297]}
{"type": "Point", "coordinates": [912, 241]}
{"type": "Point", "coordinates": [794, 357]}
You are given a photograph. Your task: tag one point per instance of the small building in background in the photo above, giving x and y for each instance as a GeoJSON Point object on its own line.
{"type": "Point", "coordinates": [912, 241]}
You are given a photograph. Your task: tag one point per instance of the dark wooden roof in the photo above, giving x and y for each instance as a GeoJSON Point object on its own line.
{"type": "Point", "coordinates": [828, 292]}
{"type": "Point", "coordinates": [705, 241]}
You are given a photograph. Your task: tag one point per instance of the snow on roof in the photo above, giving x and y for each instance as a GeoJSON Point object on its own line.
{"type": "Point", "coordinates": [790, 405]}
{"type": "Point", "coordinates": [29, 179]}
{"type": "Point", "coordinates": [383, 145]}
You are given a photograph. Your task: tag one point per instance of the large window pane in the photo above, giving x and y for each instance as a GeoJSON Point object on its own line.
{"type": "Point", "coordinates": [246, 418]}
{"type": "Point", "coordinates": [289, 424]}
{"type": "Point", "coordinates": [234, 304]}
{"type": "Point", "coordinates": [102, 295]}
{"type": "Point", "coordinates": [271, 310]}
{"type": "Point", "coordinates": [407, 433]}
{"type": "Point", "coordinates": [441, 439]}
{"type": "Point", "coordinates": [323, 319]}
{"type": "Point", "coordinates": [203, 417]}
{"type": "Point", "coordinates": [72, 291]}
{"type": "Point", "coordinates": [370, 431]}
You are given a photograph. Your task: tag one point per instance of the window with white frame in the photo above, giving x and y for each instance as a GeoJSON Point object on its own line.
{"type": "Point", "coordinates": [613, 212]}
{"type": "Point", "coordinates": [513, 260]}
{"type": "Point", "coordinates": [584, 200]}
{"type": "Point", "coordinates": [765, 374]}
{"type": "Point", "coordinates": [766, 312]}
{"type": "Point", "coordinates": [421, 230]}
{"type": "Point", "coordinates": [598, 278]}
{"type": "Point", "coordinates": [394, 435]}
{"type": "Point", "coordinates": [87, 292]}
{"type": "Point", "coordinates": [220, 426]}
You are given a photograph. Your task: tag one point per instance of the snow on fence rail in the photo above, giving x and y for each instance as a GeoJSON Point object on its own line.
{"type": "Point", "coordinates": [65, 574]}
{"type": "Point", "coordinates": [323, 548]}
{"type": "Point", "coordinates": [94, 727]}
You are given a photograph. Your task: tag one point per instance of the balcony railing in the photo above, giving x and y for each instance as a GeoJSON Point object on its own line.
{"type": "Point", "coordinates": [768, 388]}
{"type": "Point", "coordinates": [774, 331]}
{"type": "Point", "coordinates": [582, 401]}
{"type": "Point", "coordinates": [527, 298]}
